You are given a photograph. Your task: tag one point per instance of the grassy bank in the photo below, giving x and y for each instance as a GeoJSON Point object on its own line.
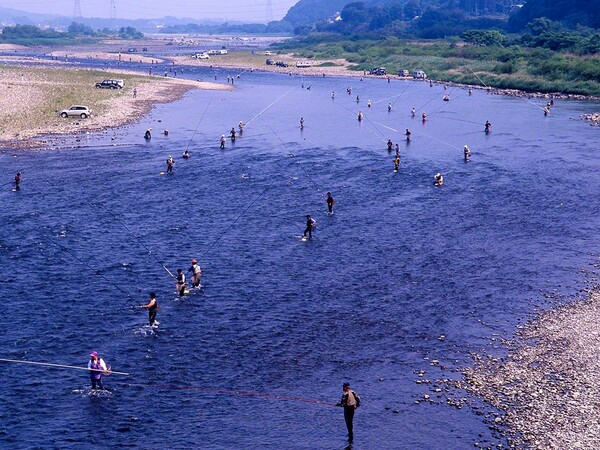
{"type": "Point", "coordinates": [31, 98]}
{"type": "Point", "coordinates": [539, 70]}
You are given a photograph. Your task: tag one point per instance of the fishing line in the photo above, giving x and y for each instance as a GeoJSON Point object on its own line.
{"type": "Point", "coordinates": [261, 112]}
{"type": "Point", "coordinates": [488, 87]}
{"type": "Point", "coordinates": [197, 126]}
{"type": "Point", "coordinates": [433, 98]}
{"type": "Point", "coordinates": [383, 138]}
{"type": "Point", "coordinates": [61, 366]}
{"type": "Point", "coordinates": [241, 393]}
{"type": "Point", "coordinates": [301, 166]}
{"type": "Point", "coordinates": [137, 239]}
{"type": "Point", "coordinates": [439, 140]}
{"type": "Point", "coordinates": [237, 218]}
{"type": "Point", "coordinates": [93, 270]}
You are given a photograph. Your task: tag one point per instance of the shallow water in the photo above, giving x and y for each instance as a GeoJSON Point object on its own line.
{"type": "Point", "coordinates": [399, 264]}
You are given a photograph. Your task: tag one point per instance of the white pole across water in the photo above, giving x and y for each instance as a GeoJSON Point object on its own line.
{"type": "Point", "coordinates": [61, 366]}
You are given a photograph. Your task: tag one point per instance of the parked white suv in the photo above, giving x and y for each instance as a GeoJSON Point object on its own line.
{"type": "Point", "coordinates": [76, 111]}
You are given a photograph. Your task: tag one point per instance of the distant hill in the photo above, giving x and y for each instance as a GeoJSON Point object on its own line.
{"type": "Point", "coordinates": [309, 12]}
{"type": "Point", "coordinates": [569, 12]}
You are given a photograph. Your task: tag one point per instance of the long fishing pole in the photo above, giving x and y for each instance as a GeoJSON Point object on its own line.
{"type": "Point", "coordinates": [197, 126]}
{"type": "Point", "coordinates": [93, 270]}
{"type": "Point", "coordinates": [236, 219]}
{"type": "Point", "coordinates": [61, 366]}
{"type": "Point", "coordinates": [137, 239]}
{"type": "Point", "coordinates": [231, 392]}
{"type": "Point", "coordinates": [293, 155]}
{"type": "Point", "coordinates": [264, 109]}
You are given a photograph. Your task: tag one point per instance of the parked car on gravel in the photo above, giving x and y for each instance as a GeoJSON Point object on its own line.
{"type": "Point", "coordinates": [76, 111]}
{"type": "Point", "coordinates": [110, 84]}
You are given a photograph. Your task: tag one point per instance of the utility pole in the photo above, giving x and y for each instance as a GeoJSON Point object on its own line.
{"type": "Point", "coordinates": [77, 9]}
{"type": "Point", "coordinates": [113, 10]}
{"type": "Point", "coordinates": [269, 11]}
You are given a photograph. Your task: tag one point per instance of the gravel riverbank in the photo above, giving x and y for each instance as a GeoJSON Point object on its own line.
{"type": "Point", "coordinates": [547, 387]}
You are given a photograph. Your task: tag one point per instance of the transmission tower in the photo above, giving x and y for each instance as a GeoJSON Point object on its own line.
{"type": "Point", "coordinates": [113, 10]}
{"type": "Point", "coordinates": [269, 11]}
{"type": "Point", "coordinates": [77, 9]}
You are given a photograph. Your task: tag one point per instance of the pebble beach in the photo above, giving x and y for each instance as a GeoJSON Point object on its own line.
{"type": "Point", "coordinates": [547, 386]}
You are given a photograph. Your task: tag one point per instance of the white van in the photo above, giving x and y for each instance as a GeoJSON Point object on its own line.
{"type": "Point", "coordinates": [419, 74]}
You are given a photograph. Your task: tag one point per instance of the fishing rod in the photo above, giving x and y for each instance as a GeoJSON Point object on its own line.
{"type": "Point", "coordinates": [137, 239]}
{"type": "Point", "coordinates": [236, 219]}
{"type": "Point", "coordinates": [367, 119]}
{"type": "Point", "coordinates": [265, 109]}
{"type": "Point", "coordinates": [432, 99]}
{"type": "Point", "coordinates": [241, 393]}
{"type": "Point", "coordinates": [93, 270]}
{"type": "Point", "coordinates": [61, 366]}
{"type": "Point", "coordinates": [301, 166]}
{"type": "Point", "coordinates": [197, 126]}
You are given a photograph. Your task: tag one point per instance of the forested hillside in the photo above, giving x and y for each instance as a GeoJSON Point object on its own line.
{"type": "Point", "coordinates": [436, 18]}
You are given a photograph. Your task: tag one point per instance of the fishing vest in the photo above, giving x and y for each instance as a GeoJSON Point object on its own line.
{"type": "Point", "coordinates": [181, 278]}
{"type": "Point", "coordinates": [96, 365]}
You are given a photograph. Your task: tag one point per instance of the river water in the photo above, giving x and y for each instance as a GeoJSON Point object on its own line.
{"type": "Point", "coordinates": [403, 270]}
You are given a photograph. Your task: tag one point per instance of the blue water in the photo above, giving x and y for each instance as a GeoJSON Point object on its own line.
{"type": "Point", "coordinates": [399, 264]}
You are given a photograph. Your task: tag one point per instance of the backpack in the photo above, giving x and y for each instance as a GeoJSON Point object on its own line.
{"type": "Point", "coordinates": [357, 398]}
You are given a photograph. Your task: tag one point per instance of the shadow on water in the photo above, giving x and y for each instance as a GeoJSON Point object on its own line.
{"type": "Point", "coordinates": [400, 264]}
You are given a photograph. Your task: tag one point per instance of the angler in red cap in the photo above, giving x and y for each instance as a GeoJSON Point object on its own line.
{"type": "Point", "coordinates": [97, 368]}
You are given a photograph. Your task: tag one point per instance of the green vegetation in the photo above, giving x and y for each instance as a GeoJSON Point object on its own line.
{"type": "Point", "coordinates": [512, 67]}
{"type": "Point", "coordinates": [77, 33]}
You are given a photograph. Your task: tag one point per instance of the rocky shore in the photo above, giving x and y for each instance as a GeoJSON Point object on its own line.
{"type": "Point", "coordinates": [546, 388]}
{"type": "Point", "coordinates": [593, 118]}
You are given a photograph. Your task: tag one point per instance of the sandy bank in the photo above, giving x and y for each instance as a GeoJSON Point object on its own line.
{"type": "Point", "coordinates": [30, 99]}
{"type": "Point", "coordinates": [547, 387]}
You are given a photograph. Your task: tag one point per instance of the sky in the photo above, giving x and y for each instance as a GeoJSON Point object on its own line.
{"type": "Point", "coordinates": [239, 10]}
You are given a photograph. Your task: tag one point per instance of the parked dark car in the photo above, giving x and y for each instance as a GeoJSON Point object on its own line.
{"type": "Point", "coordinates": [378, 71]}
{"type": "Point", "coordinates": [281, 64]}
{"type": "Point", "coordinates": [270, 62]}
{"type": "Point", "coordinates": [110, 84]}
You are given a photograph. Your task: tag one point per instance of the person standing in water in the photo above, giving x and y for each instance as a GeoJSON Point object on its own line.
{"type": "Point", "coordinates": [310, 223]}
{"type": "Point", "coordinates": [438, 179]}
{"type": "Point", "coordinates": [180, 282]}
{"type": "Point", "coordinates": [18, 181]}
{"type": "Point", "coordinates": [232, 134]}
{"type": "Point", "coordinates": [396, 162]}
{"type": "Point", "coordinates": [407, 134]}
{"type": "Point", "coordinates": [389, 107]}
{"type": "Point", "coordinates": [413, 112]}
{"type": "Point", "coordinates": [488, 125]}
{"type": "Point", "coordinates": [148, 134]}
{"type": "Point", "coordinates": [196, 273]}
{"type": "Point", "coordinates": [350, 401]}
{"type": "Point", "coordinates": [97, 368]}
{"type": "Point", "coordinates": [241, 127]}
{"type": "Point", "coordinates": [152, 307]}
{"type": "Point", "coordinates": [170, 164]}
{"type": "Point", "coordinates": [390, 145]}
{"type": "Point", "coordinates": [302, 123]}
{"type": "Point", "coordinates": [360, 116]}
{"type": "Point", "coordinates": [222, 141]}
{"type": "Point", "coordinates": [330, 202]}
{"type": "Point", "coordinates": [467, 152]}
